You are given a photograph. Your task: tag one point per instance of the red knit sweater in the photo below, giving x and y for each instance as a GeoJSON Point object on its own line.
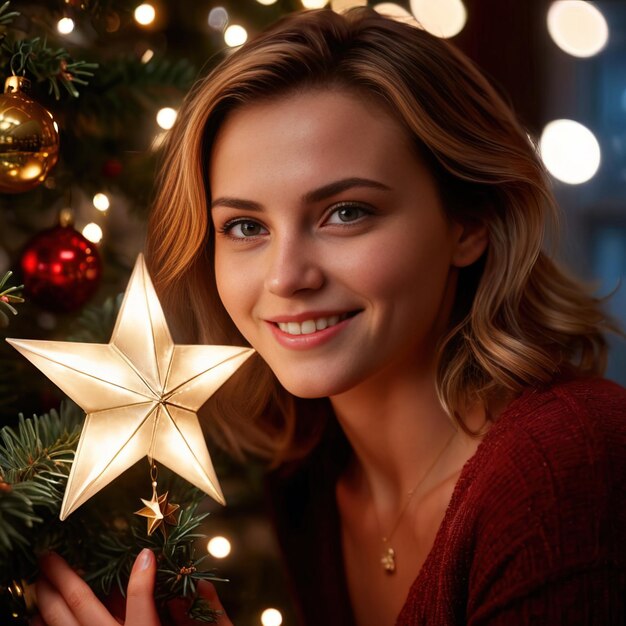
{"type": "Point", "coordinates": [535, 532]}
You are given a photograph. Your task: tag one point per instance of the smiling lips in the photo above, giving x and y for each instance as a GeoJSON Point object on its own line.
{"type": "Point", "coordinates": [308, 332]}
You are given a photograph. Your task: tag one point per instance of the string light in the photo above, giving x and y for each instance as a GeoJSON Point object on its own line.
{"type": "Point", "coordinates": [145, 14]}
{"type": "Point", "coordinates": [65, 25]}
{"type": "Point", "coordinates": [235, 35]}
{"type": "Point", "coordinates": [266, 3]}
{"type": "Point", "coordinates": [314, 4]}
{"type": "Point", "coordinates": [570, 151]}
{"type": "Point", "coordinates": [577, 27]}
{"type": "Point", "coordinates": [218, 18]}
{"type": "Point", "coordinates": [101, 201]}
{"type": "Point", "coordinates": [444, 18]}
{"type": "Point", "coordinates": [93, 232]}
{"type": "Point", "coordinates": [146, 57]}
{"type": "Point", "coordinates": [271, 617]}
{"type": "Point", "coordinates": [219, 547]}
{"type": "Point", "coordinates": [166, 118]}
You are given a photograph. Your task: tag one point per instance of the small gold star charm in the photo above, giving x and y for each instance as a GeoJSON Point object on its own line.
{"type": "Point", "coordinates": [159, 511]}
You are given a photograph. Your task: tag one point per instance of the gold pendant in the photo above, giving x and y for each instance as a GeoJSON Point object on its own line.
{"type": "Point", "coordinates": [388, 560]}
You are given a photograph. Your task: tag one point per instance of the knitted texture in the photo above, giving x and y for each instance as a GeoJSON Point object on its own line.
{"type": "Point", "coordinates": [535, 532]}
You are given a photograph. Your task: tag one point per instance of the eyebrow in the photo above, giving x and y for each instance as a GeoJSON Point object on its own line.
{"type": "Point", "coordinates": [322, 193]}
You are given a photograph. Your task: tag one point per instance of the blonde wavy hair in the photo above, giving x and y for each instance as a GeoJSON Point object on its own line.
{"type": "Point", "coordinates": [518, 319]}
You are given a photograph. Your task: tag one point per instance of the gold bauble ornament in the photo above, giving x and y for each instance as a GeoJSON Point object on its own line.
{"type": "Point", "coordinates": [29, 139]}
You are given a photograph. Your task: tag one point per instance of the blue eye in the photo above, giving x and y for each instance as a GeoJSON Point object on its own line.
{"type": "Point", "coordinates": [347, 213]}
{"type": "Point", "coordinates": [242, 229]}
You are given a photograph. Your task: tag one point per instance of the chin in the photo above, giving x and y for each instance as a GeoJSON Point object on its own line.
{"type": "Point", "coordinates": [311, 387]}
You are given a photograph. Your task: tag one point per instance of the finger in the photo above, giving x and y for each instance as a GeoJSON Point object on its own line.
{"type": "Point", "coordinates": [81, 602]}
{"type": "Point", "coordinates": [207, 591]}
{"type": "Point", "coordinates": [36, 621]}
{"type": "Point", "coordinates": [140, 608]}
{"type": "Point", "coordinates": [52, 607]}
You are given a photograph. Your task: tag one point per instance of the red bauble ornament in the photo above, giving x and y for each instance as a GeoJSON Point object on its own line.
{"type": "Point", "coordinates": [61, 269]}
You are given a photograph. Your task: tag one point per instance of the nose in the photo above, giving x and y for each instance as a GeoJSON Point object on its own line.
{"type": "Point", "coordinates": [294, 267]}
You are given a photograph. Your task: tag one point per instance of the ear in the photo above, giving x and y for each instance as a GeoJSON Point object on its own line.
{"type": "Point", "coordinates": [472, 240]}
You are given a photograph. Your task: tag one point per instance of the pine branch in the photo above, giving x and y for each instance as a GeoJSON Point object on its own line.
{"type": "Point", "coordinates": [6, 16]}
{"type": "Point", "coordinates": [34, 465]}
{"type": "Point", "coordinates": [8, 296]}
{"type": "Point", "coordinates": [34, 58]}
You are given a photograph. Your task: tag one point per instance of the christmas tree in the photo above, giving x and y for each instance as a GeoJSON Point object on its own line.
{"type": "Point", "coordinates": [93, 88]}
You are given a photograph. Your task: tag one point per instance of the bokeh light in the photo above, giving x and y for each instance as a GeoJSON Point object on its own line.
{"type": "Point", "coordinates": [271, 617]}
{"type": "Point", "coordinates": [570, 151]}
{"type": "Point", "coordinates": [235, 35]}
{"type": "Point", "coordinates": [396, 12]}
{"type": "Point", "coordinates": [166, 117]}
{"type": "Point", "coordinates": [101, 201]}
{"type": "Point", "coordinates": [219, 547]}
{"type": "Point", "coordinates": [266, 3]}
{"type": "Point", "coordinates": [577, 27]}
{"type": "Point", "coordinates": [146, 57]}
{"type": "Point", "coordinates": [443, 18]}
{"type": "Point", "coordinates": [218, 18]}
{"type": "Point", "coordinates": [314, 4]}
{"type": "Point", "coordinates": [343, 5]}
{"type": "Point", "coordinates": [65, 25]}
{"type": "Point", "coordinates": [93, 232]}
{"type": "Point", "coordinates": [145, 14]}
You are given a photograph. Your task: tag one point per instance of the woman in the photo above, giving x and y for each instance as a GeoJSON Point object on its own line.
{"type": "Point", "coordinates": [348, 195]}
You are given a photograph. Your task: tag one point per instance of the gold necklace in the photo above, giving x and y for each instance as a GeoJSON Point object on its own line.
{"type": "Point", "coordinates": [388, 558]}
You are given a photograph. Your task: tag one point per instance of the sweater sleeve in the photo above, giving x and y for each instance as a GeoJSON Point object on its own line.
{"type": "Point", "coordinates": [550, 535]}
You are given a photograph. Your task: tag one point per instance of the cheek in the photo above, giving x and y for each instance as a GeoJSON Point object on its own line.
{"type": "Point", "coordinates": [229, 287]}
{"type": "Point", "coordinates": [405, 264]}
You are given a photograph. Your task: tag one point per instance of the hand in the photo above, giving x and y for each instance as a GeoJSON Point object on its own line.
{"type": "Point", "coordinates": [65, 599]}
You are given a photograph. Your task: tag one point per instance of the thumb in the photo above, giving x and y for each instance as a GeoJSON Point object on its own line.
{"type": "Point", "coordinates": [140, 608]}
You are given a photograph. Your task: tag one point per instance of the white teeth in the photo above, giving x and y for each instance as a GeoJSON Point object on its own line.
{"type": "Point", "coordinates": [307, 327]}
{"type": "Point", "coordinates": [310, 326]}
{"type": "Point", "coordinates": [321, 323]}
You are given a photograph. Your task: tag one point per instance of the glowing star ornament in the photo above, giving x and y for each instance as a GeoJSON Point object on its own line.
{"type": "Point", "coordinates": [140, 392]}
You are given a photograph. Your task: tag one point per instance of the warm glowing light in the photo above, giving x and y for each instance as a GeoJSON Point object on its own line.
{"type": "Point", "coordinates": [271, 617]}
{"type": "Point", "coordinates": [65, 25]}
{"type": "Point", "coordinates": [577, 27]}
{"type": "Point", "coordinates": [570, 151]}
{"type": "Point", "coordinates": [166, 117]}
{"type": "Point", "coordinates": [343, 5]}
{"type": "Point", "coordinates": [396, 12]}
{"type": "Point", "coordinates": [443, 18]}
{"type": "Point", "coordinates": [219, 547]}
{"type": "Point", "coordinates": [146, 57]}
{"type": "Point", "coordinates": [218, 18]}
{"type": "Point", "coordinates": [235, 35]}
{"type": "Point", "coordinates": [145, 14]}
{"type": "Point", "coordinates": [266, 2]}
{"type": "Point", "coordinates": [314, 4]}
{"type": "Point", "coordinates": [93, 232]}
{"type": "Point", "coordinates": [101, 201]}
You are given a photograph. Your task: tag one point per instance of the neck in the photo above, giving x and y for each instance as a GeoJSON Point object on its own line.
{"type": "Point", "coordinates": [397, 428]}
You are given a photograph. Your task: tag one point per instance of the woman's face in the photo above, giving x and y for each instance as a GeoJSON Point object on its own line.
{"type": "Point", "coordinates": [332, 253]}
